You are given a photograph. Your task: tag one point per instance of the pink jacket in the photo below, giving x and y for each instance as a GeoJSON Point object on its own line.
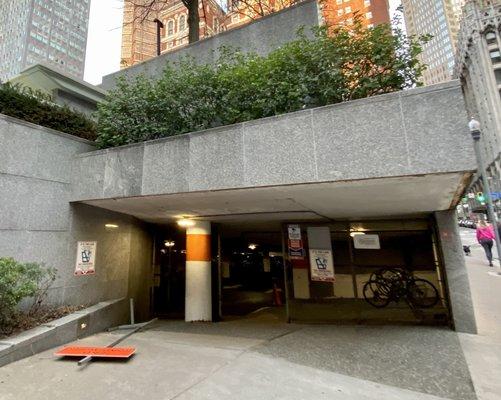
{"type": "Point", "coordinates": [485, 233]}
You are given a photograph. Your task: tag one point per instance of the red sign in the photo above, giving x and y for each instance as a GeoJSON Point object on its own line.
{"type": "Point", "coordinates": [105, 352]}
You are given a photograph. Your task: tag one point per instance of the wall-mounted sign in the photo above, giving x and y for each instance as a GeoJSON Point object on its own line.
{"type": "Point", "coordinates": [321, 265]}
{"type": "Point", "coordinates": [366, 242]}
{"type": "Point", "coordinates": [296, 249]}
{"type": "Point", "coordinates": [86, 258]}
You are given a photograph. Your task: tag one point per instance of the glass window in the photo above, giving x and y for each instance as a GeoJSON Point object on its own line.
{"type": "Point", "coordinates": [182, 23]}
{"type": "Point", "coordinates": [170, 28]}
{"type": "Point", "coordinates": [495, 56]}
{"type": "Point", "coordinates": [490, 37]}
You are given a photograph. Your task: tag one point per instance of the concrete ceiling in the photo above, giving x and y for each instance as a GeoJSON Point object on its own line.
{"type": "Point", "coordinates": [267, 207]}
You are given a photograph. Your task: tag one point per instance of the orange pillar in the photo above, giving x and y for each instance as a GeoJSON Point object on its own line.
{"type": "Point", "coordinates": [198, 299]}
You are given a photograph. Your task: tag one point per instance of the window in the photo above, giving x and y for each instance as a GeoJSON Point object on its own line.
{"type": "Point", "coordinates": [497, 73]}
{"type": "Point", "coordinates": [170, 28]}
{"type": "Point", "coordinates": [339, 12]}
{"type": "Point", "coordinates": [495, 56]}
{"type": "Point", "coordinates": [347, 10]}
{"type": "Point", "coordinates": [490, 37]}
{"type": "Point", "coordinates": [182, 23]}
{"type": "Point", "coordinates": [339, 2]}
{"type": "Point", "coordinates": [367, 3]}
{"type": "Point", "coordinates": [368, 15]}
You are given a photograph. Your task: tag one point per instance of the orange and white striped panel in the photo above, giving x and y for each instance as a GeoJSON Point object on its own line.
{"type": "Point", "coordinates": [198, 306]}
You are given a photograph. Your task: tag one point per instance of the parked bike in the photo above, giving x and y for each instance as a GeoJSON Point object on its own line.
{"type": "Point", "coordinates": [393, 284]}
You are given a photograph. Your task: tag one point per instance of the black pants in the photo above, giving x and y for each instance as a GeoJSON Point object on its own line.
{"type": "Point", "coordinates": [487, 245]}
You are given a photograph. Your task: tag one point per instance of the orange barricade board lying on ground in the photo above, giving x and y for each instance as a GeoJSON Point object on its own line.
{"type": "Point", "coordinates": [105, 352]}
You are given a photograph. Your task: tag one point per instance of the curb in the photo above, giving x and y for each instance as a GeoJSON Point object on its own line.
{"type": "Point", "coordinates": [71, 327]}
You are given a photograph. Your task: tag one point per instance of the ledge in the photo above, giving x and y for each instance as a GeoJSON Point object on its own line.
{"type": "Point", "coordinates": [64, 330]}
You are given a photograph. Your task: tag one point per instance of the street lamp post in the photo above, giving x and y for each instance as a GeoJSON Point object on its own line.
{"type": "Point", "coordinates": [474, 126]}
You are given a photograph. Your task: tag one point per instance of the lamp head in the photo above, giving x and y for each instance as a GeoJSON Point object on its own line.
{"type": "Point", "coordinates": [474, 126]}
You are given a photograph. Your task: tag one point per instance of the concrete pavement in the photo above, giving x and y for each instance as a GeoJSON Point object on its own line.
{"type": "Point", "coordinates": [483, 351]}
{"type": "Point", "coordinates": [261, 357]}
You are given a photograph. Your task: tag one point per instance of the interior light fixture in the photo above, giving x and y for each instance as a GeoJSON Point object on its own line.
{"type": "Point", "coordinates": [114, 226]}
{"type": "Point", "coordinates": [185, 222]}
{"type": "Point", "coordinates": [352, 234]}
{"type": "Point", "coordinates": [253, 246]}
{"type": "Point", "coordinates": [169, 243]}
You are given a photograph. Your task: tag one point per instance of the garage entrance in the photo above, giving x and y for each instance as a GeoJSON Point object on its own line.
{"type": "Point", "coordinates": [252, 273]}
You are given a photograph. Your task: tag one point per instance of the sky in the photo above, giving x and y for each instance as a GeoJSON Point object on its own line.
{"type": "Point", "coordinates": [105, 36]}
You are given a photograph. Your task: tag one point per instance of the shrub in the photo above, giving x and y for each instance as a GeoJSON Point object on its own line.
{"type": "Point", "coordinates": [330, 66]}
{"type": "Point", "coordinates": [38, 108]}
{"type": "Point", "coordinates": [19, 281]}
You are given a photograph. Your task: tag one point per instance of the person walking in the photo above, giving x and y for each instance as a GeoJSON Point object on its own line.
{"type": "Point", "coordinates": [486, 236]}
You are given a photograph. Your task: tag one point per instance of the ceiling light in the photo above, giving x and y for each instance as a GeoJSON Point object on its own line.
{"type": "Point", "coordinates": [252, 246]}
{"type": "Point", "coordinates": [185, 223]}
{"type": "Point", "coordinates": [114, 226]}
{"type": "Point", "coordinates": [352, 234]}
{"type": "Point", "coordinates": [169, 243]}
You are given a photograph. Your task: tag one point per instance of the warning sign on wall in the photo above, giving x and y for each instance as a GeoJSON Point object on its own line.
{"type": "Point", "coordinates": [86, 258]}
{"type": "Point", "coordinates": [321, 265]}
{"type": "Point", "coordinates": [296, 250]}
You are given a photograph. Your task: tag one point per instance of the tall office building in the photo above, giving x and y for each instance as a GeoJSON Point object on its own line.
{"type": "Point", "coordinates": [439, 18]}
{"type": "Point", "coordinates": [53, 32]}
{"type": "Point", "coordinates": [478, 65]}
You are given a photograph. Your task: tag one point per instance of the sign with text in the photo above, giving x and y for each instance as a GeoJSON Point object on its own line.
{"type": "Point", "coordinates": [86, 258]}
{"type": "Point", "coordinates": [321, 265]}
{"type": "Point", "coordinates": [296, 249]}
{"type": "Point", "coordinates": [366, 242]}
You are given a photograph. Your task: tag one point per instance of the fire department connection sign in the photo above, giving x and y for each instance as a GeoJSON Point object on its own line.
{"type": "Point", "coordinates": [321, 265]}
{"type": "Point", "coordinates": [86, 258]}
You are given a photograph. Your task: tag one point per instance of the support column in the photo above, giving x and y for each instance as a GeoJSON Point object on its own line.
{"type": "Point", "coordinates": [461, 304]}
{"type": "Point", "coordinates": [198, 299]}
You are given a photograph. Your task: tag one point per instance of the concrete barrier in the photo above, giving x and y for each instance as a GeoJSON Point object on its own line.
{"type": "Point", "coordinates": [64, 330]}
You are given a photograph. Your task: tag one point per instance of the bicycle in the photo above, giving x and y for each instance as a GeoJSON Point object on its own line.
{"type": "Point", "coordinates": [392, 284]}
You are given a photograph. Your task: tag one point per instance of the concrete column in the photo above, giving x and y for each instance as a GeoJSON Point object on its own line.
{"type": "Point", "coordinates": [455, 270]}
{"type": "Point", "coordinates": [198, 300]}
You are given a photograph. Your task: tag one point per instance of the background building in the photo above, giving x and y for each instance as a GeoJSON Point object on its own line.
{"type": "Point", "coordinates": [372, 12]}
{"type": "Point", "coordinates": [439, 18]}
{"type": "Point", "coordinates": [53, 32]}
{"type": "Point", "coordinates": [139, 34]}
{"type": "Point", "coordinates": [478, 65]}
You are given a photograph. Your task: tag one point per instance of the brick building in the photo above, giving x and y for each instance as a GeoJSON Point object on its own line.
{"type": "Point", "coordinates": [139, 34]}
{"type": "Point", "coordinates": [139, 37]}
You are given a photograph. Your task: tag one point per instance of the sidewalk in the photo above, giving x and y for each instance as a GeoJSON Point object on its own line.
{"type": "Point", "coordinates": [483, 351]}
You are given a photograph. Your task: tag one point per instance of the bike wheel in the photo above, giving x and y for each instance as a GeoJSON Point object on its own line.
{"type": "Point", "coordinates": [377, 293]}
{"type": "Point", "coordinates": [422, 293]}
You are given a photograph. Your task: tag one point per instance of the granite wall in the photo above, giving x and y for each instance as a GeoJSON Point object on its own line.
{"type": "Point", "coordinates": [419, 131]}
{"type": "Point", "coordinates": [458, 285]}
{"type": "Point", "coordinates": [260, 36]}
{"type": "Point", "coordinates": [38, 223]}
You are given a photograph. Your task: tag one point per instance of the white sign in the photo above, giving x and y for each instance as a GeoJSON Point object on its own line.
{"type": "Point", "coordinates": [366, 242]}
{"type": "Point", "coordinates": [294, 232]}
{"type": "Point", "coordinates": [86, 258]}
{"type": "Point", "coordinates": [321, 265]}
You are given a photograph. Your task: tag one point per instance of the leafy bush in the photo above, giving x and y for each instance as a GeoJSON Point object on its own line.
{"type": "Point", "coordinates": [333, 65]}
{"type": "Point", "coordinates": [19, 281]}
{"type": "Point", "coordinates": [38, 108]}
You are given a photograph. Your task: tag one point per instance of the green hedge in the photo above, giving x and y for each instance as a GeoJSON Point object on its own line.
{"type": "Point", "coordinates": [35, 107]}
{"type": "Point", "coordinates": [330, 66]}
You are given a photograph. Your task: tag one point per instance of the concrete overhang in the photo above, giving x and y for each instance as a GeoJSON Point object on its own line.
{"type": "Point", "coordinates": [267, 207]}
{"type": "Point", "coordinates": [398, 154]}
